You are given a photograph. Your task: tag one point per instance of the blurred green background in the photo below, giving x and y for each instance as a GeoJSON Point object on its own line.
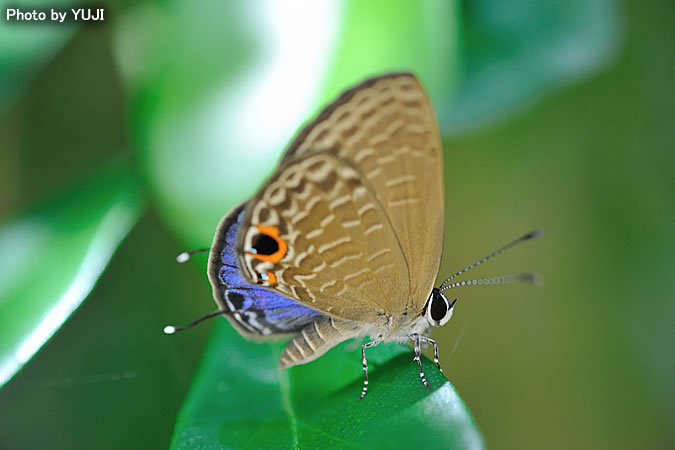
{"type": "Point", "coordinates": [555, 114]}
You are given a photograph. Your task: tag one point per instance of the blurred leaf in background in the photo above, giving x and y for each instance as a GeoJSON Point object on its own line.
{"type": "Point", "coordinates": [212, 92]}
{"type": "Point", "coordinates": [24, 49]}
{"type": "Point", "coordinates": [513, 53]}
{"type": "Point", "coordinates": [52, 256]}
{"type": "Point", "coordinates": [216, 97]}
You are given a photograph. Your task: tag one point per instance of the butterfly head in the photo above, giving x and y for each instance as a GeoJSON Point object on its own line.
{"type": "Point", "coordinates": [438, 310]}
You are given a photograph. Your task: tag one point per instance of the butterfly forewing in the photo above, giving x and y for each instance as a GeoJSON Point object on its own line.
{"type": "Point", "coordinates": [342, 256]}
{"type": "Point", "coordinates": [386, 129]}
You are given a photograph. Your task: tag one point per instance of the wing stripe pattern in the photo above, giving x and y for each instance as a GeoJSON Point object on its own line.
{"type": "Point", "coordinates": [351, 286]}
{"type": "Point", "coordinates": [386, 128]}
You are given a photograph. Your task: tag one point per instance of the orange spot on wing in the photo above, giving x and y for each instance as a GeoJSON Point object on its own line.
{"type": "Point", "coordinates": [271, 278]}
{"type": "Point", "coordinates": [275, 257]}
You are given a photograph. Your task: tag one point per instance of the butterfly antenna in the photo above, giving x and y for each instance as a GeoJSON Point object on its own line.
{"type": "Point", "coordinates": [170, 329]}
{"type": "Point", "coordinates": [527, 237]}
{"type": "Point", "coordinates": [527, 277]}
{"type": "Point", "coordinates": [185, 256]}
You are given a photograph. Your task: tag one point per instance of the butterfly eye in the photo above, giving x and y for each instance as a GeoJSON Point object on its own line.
{"type": "Point", "coordinates": [267, 245]}
{"type": "Point", "coordinates": [438, 309]}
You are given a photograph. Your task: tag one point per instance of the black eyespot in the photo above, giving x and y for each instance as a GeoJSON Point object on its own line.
{"type": "Point", "coordinates": [438, 307]}
{"type": "Point", "coordinates": [236, 299]}
{"type": "Point", "coordinates": [265, 245]}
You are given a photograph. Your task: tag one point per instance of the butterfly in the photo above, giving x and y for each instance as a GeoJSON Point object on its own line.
{"type": "Point", "coordinates": [344, 240]}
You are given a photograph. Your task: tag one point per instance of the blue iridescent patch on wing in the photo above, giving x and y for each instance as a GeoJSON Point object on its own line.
{"type": "Point", "coordinates": [254, 308]}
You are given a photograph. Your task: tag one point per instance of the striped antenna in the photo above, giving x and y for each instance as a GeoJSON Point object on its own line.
{"type": "Point", "coordinates": [530, 278]}
{"type": "Point", "coordinates": [527, 237]}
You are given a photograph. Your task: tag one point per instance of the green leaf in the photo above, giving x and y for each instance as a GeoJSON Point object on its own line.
{"type": "Point", "coordinates": [513, 53]}
{"type": "Point", "coordinates": [240, 399]}
{"type": "Point", "coordinates": [27, 46]}
{"type": "Point", "coordinates": [52, 256]}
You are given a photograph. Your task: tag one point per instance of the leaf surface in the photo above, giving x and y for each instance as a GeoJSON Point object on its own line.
{"type": "Point", "coordinates": [240, 399]}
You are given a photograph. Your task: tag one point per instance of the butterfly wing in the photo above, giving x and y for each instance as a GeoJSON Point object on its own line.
{"type": "Point", "coordinates": [386, 129]}
{"type": "Point", "coordinates": [253, 310]}
{"type": "Point", "coordinates": [316, 233]}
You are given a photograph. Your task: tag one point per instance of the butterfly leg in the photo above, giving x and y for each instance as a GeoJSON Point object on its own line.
{"type": "Point", "coordinates": [432, 342]}
{"type": "Point", "coordinates": [416, 339]}
{"type": "Point", "coordinates": [365, 364]}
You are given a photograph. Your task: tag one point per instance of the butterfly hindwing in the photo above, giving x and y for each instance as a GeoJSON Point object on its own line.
{"type": "Point", "coordinates": [252, 309]}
